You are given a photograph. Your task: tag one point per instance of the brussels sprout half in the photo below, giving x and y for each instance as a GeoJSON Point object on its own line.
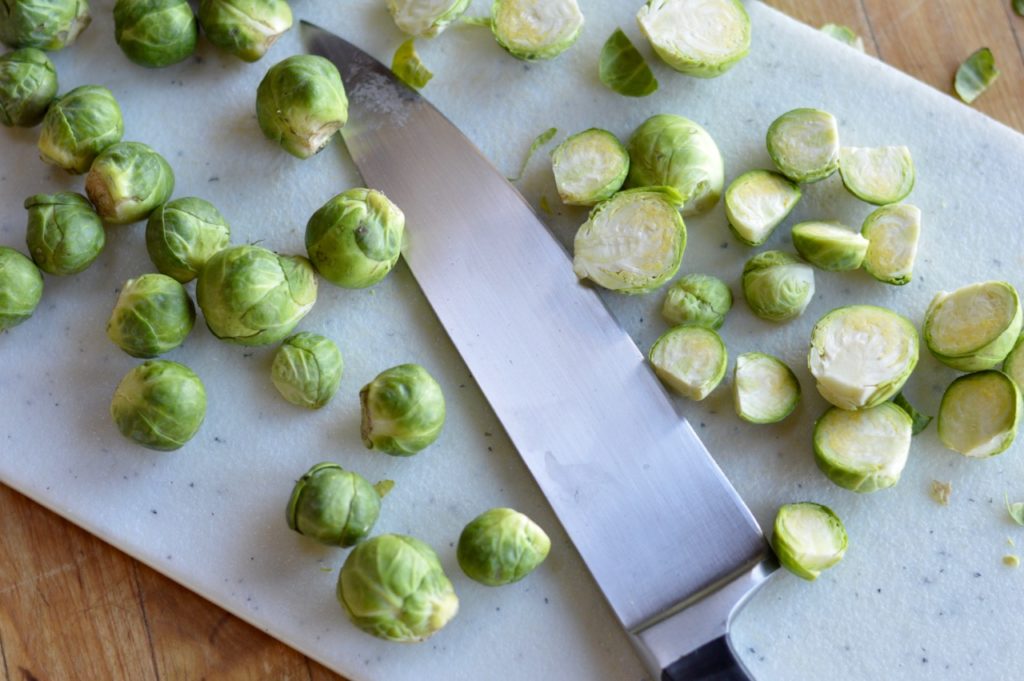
{"type": "Point", "coordinates": [691, 360]}
{"type": "Point", "coordinates": [64, 235]}
{"type": "Point", "coordinates": [425, 18]}
{"type": "Point", "coordinates": [403, 410]}
{"type": "Point", "coordinates": [21, 288]}
{"type": "Point", "coordinates": [975, 326]}
{"type": "Point", "coordinates": [245, 28]}
{"type": "Point", "coordinates": [878, 175]}
{"type": "Point", "coordinates": [301, 103]}
{"type": "Point", "coordinates": [44, 24]}
{"type": "Point", "coordinates": [333, 506]}
{"type": "Point", "coordinates": [804, 144]}
{"type": "Point", "coordinates": [808, 538]}
{"type": "Point", "coordinates": [28, 83]}
{"type": "Point", "coordinates": [777, 285]}
{"type": "Point", "coordinates": [764, 389]}
{"type": "Point", "coordinates": [128, 181]}
{"type": "Point", "coordinates": [159, 404]}
{"type": "Point", "coordinates": [307, 370]}
{"type": "Point", "coordinates": [979, 414]}
{"type": "Point", "coordinates": [829, 245]}
{"type": "Point", "coordinates": [757, 202]}
{"type": "Point", "coordinates": [589, 167]}
{"type": "Point", "coordinates": [703, 38]}
{"type": "Point", "coordinates": [892, 233]}
{"type": "Point", "coordinates": [78, 126]}
{"type": "Point", "coordinates": [181, 235]}
{"type": "Point", "coordinates": [697, 300]}
{"type": "Point", "coordinates": [536, 29]}
{"type": "Point", "coordinates": [501, 546]}
{"type": "Point", "coordinates": [864, 450]}
{"type": "Point", "coordinates": [155, 33]}
{"type": "Point", "coordinates": [153, 315]}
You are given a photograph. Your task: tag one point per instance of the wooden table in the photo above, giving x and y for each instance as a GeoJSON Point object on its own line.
{"type": "Point", "coordinates": [72, 607]}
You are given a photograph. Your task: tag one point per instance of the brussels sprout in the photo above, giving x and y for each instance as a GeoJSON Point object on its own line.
{"type": "Point", "coordinates": [128, 181]}
{"type": "Point", "coordinates": [975, 75]}
{"type": "Point", "coordinates": [333, 506]}
{"type": "Point", "coordinates": [252, 296]}
{"type": "Point", "coordinates": [691, 360]}
{"type": "Point", "coordinates": [861, 355]}
{"type": "Point", "coordinates": [501, 546]}
{"type": "Point", "coordinates": [777, 286]}
{"type": "Point", "coordinates": [764, 389]}
{"type": "Point", "coordinates": [589, 167]}
{"type": "Point", "coordinates": [918, 420]}
{"type": "Point", "coordinates": [394, 587]}
{"type": "Point", "coordinates": [307, 370]}
{"type": "Point", "coordinates": [407, 65]}
{"type": "Point", "coordinates": [21, 287]}
{"type": "Point", "coordinates": [536, 29]}
{"type": "Point", "coordinates": [697, 300]}
{"type": "Point", "coordinates": [64, 233]}
{"type": "Point", "coordinates": [78, 126]}
{"type": "Point", "coordinates": [28, 83]}
{"type": "Point", "coordinates": [301, 103]}
{"type": "Point", "coordinates": [45, 24]}
{"type": "Point", "coordinates": [245, 28]}
{"type": "Point", "coordinates": [183, 234]}
{"type": "Point", "coordinates": [878, 175]}
{"type": "Point", "coordinates": [757, 202]}
{"type": "Point", "coordinates": [1013, 365]}
{"type": "Point", "coordinates": [623, 69]}
{"type": "Point", "coordinates": [355, 238]}
{"type": "Point", "coordinates": [153, 314]}
{"type": "Point", "coordinates": [425, 18]}
{"type": "Point", "coordinates": [808, 538]}
{"type": "Point", "coordinates": [703, 38]}
{"type": "Point", "coordinates": [159, 404]}
{"type": "Point", "coordinates": [631, 243]}
{"type": "Point", "coordinates": [402, 410]}
{"type": "Point", "coordinates": [672, 151]}
{"type": "Point", "coordinates": [892, 233]}
{"type": "Point", "coordinates": [844, 34]}
{"type": "Point", "coordinates": [975, 326]}
{"type": "Point", "coordinates": [155, 33]}
{"type": "Point", "coordinates": [804, 144]}
{"type": "Point", "coordinates": [864, 450]}
{"type": "Point", "coordinates": [979, 414]}
{"type": "Point", "coordinates": [829, 245]}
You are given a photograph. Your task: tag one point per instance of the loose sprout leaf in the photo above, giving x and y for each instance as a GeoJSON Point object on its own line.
{"type": "Point", "coordinates": [844, 34]}
{"type": "Point", "coordinates": [975, 75]}
{"type": "Point", "coordinates": [539, 142]}
{"type": "Point", "coordinates": [408, 66]}
{"type": "Point", "coordinates": [545, 205]}
{"type": "Point", "coordinates": [384, 486]}
{"type": "Point", "coordinates": [623, 69]}
{"type": "Point", "coordinates": [476, 21]}
{"type": "Point", "coordinates": [1016, 510]}
{"type": "Point", "coordinates": [941, 491]}
{"type": "Point", "coordinates": [920, 420]}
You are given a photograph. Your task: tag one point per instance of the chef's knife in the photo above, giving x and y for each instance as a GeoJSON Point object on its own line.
{"type": "Point", "coordinates": [671, 545]}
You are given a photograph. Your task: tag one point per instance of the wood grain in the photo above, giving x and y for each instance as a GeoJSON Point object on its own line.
{"type": "Point", "coordinates": [72, 607]}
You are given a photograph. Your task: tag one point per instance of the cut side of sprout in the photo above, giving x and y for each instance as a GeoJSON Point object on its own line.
{"type": "Point", "coordinates": [703, 38]}
{"type": "Point", "coordinates": [830, 245]}
{"type": "Point", "coordinates": [804, 144]}
{"type": "Point", "coordinates": [425, 18]}
{"type": "Point", "coordinates": [878, 175]}
{"type": "Point", "coordinates": [864, 450]}
{"type": "Point", "coordinates": [974, 327]}
{"type": "Point", "coordinates": [892, 233]}
{"type": "Point", "coordinates": [808, 538]}
{"type": "Point", "coordinates": [536, 29]}
{"type": "Point", "coordinates": [589, 167]}
{"type": "Point", "coordinates": [979, 414]}
{"type": "Point", "coordinates": [757, 202]}
{"type": "Point", "coordinates": [691, 360]}
{"type": "Point", "coordinates": [764, 389]}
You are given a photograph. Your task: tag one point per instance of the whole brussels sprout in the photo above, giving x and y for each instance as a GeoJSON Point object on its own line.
{"type": "Point", "coordinates": [181, 235]}
{"type": "Point", "coordinates": [536, 29]}
{"type": "Point", "coordinates": [355, 238]}
{"type": "Point", "coordinates": [78, 126]}
{"type": "Point", "coordinates": [501, 546]}
{"type": "Point", "coordinates": [307, 369]}
{"type": "Point", "coordinates": [21, 287]}
{"type": "Point", "coordinates": [301, 103]}
{"type": "Point", "coordinates": [159, 404]}
{"type": "Point", "coordinates": [155, 33]}
{"type": "Point", "coordinates": [252, 296]}
{"type": "Point", "coordinates": [697, 300]}
{"type": "Point", "coordinates": [64, 233]}
{"type": "Point", "coordinates": [777, 286]}
{"type": "Point", "coordinates": [425, 18]}
{"type": "Point", "coordinates": [333, 506]}
{"type": "Point", "coordinates": [28, 83]}
{"type": "Point", "coordinates": [153, 314]}
{"type": "Point", "coordinates": [672, 151]}
{"type": "Point", "coordinates": [127, 182]}
{"type": "Point", "coordinates": [245, 28]}
{"type": "Point", "coordinates": [394, 587]}
{"type": "Point", "coordinates": [402, 410]}
{"type": "Point", "coordinates": [46, 24]}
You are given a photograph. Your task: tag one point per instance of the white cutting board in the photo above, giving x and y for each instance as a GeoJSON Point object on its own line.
{"type": "Point", "coordinates": [922, 593]}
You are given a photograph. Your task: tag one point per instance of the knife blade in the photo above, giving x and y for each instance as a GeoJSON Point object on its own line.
{"type": "Point", "coordinates": [671, 545]}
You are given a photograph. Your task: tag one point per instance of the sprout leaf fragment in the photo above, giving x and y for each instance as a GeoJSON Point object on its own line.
{"type": "Point", "coordinates": [844, 34]}
{"type": "Point", "coordinates": [975, 75]}
{"type": "Point", "coordinates": [407, 65]}
{"type": "Point", "coordinates": [623, 69]}
{"type": "Point", "coordinates": [919, 420]}
{"type": "Point", "coordinates": [538, 142]}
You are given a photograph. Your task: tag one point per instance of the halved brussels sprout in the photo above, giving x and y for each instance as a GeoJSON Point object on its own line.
{"type": "Point", "coordinates": [1013, 365]}
{"type": "Point", "coordinates": [355, 238]}
{"type": "Point", "coordinates": [863, 450]}
{"type": "Point", "coordinates": [245, 28]}
{"type": "Point", "coordinates": [777, 286]}
{"type": "Point", "coordinates": [45, 24]}
{"type": "Point", "coordinates": [252, 296]}
{"type": "Point", "coordinates": [403, 410]}
{"type": "Point", "coordinates": [425, 18]}
{"type": "Point", "coordinates": [691, 360]}
{"type": "Point", "coordinates": [301, 103]}
{"type": "Point", "coordinates": [333, 506]}
{"type": "Point", "coordinates": [393, 587]}
{"type": "Point", "coordinates": [631, 243]}
{"type": "Point", "coordinates": [181, 235]}
{"type": "Point", "coordinates": [28, 83]}
{"type": "Point", "coordinates": [128, 181]}
{"type": "Point", "coordinates": [861, 355]}
{"type": "Point", "coordinates": [974, 327]}
{"type": "Point", "coordinates": [307, 369]}
{"type": "Point", "coordinates": [64, 233]}
{"type": "Point", "coordinates": [804, 144]}
{"type": "Point", "coordinates": [155, 33]}
{"type": "Point", "coordinates": [159, 404]}
{"type": "Point", "coordinates": [153, 315]}
{"type": "Point", "coordinates": [21, 288]}
{"type": "Point", "coordinates": [844, 34]}
{"type": "Point", "coordinates": [501, 546]}
{"type": "Point", "coordinates": [672, 151]}
{"type": "Point", "coordinates": [808, 538]}
{"type": "Point", "coordinates": [920, 421]}
{"type": "Point", "coordinates": [979, 414]}
{"type": "Point", "coordinates": [892, 233]}
{"type": "Point", "coordinates": [536, 29]}
{"type": "Point", "coordinates": [878, 175]}
{"type": "Point", "coordinates": [764, 389]}
{"type": "Point", "coordinates": [757, 202]}
{"type": "Point", "coordinates": [697, 300]}
{"type": "Point", "coordinates": [78, 126]}
{"type": "Point", "coordinates": [589, 167]}
{"type": "Point", "coordinates": [703, 38]}
{"type": "Point", "coordinates": [830, 245]}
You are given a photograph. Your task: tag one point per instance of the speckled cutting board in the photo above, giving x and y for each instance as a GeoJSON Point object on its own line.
{"type": "Point", "coordinates": [922, 593]}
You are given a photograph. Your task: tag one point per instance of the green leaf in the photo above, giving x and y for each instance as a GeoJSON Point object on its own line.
{"type": "Point", "coordinates": [539, 142]}
{"type": "Point", "coordinates": [920, 420]}
{"type": "Point", "coordinates": [408, 67]}
{"type": "Point", "coordinates": [544, 205]}
{"type": "Point", "coordinates": [975, 75]}
{"type": "Point", "coordinates": [1018, 7]}
{"type": "Point", "coordinates": [383, 487]}
{"type": "Point", "coordinates": [623, 69]}
{"type": "Point", "coordinates": [1016, 510]}
{"type": "Point", "coordinates": [476, 21]}
{"type": "Point", "coordinates": [845, 34]}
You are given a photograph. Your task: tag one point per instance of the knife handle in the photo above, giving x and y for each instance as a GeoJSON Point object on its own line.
{"type": "Point", "coordinates": [713, 661]}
